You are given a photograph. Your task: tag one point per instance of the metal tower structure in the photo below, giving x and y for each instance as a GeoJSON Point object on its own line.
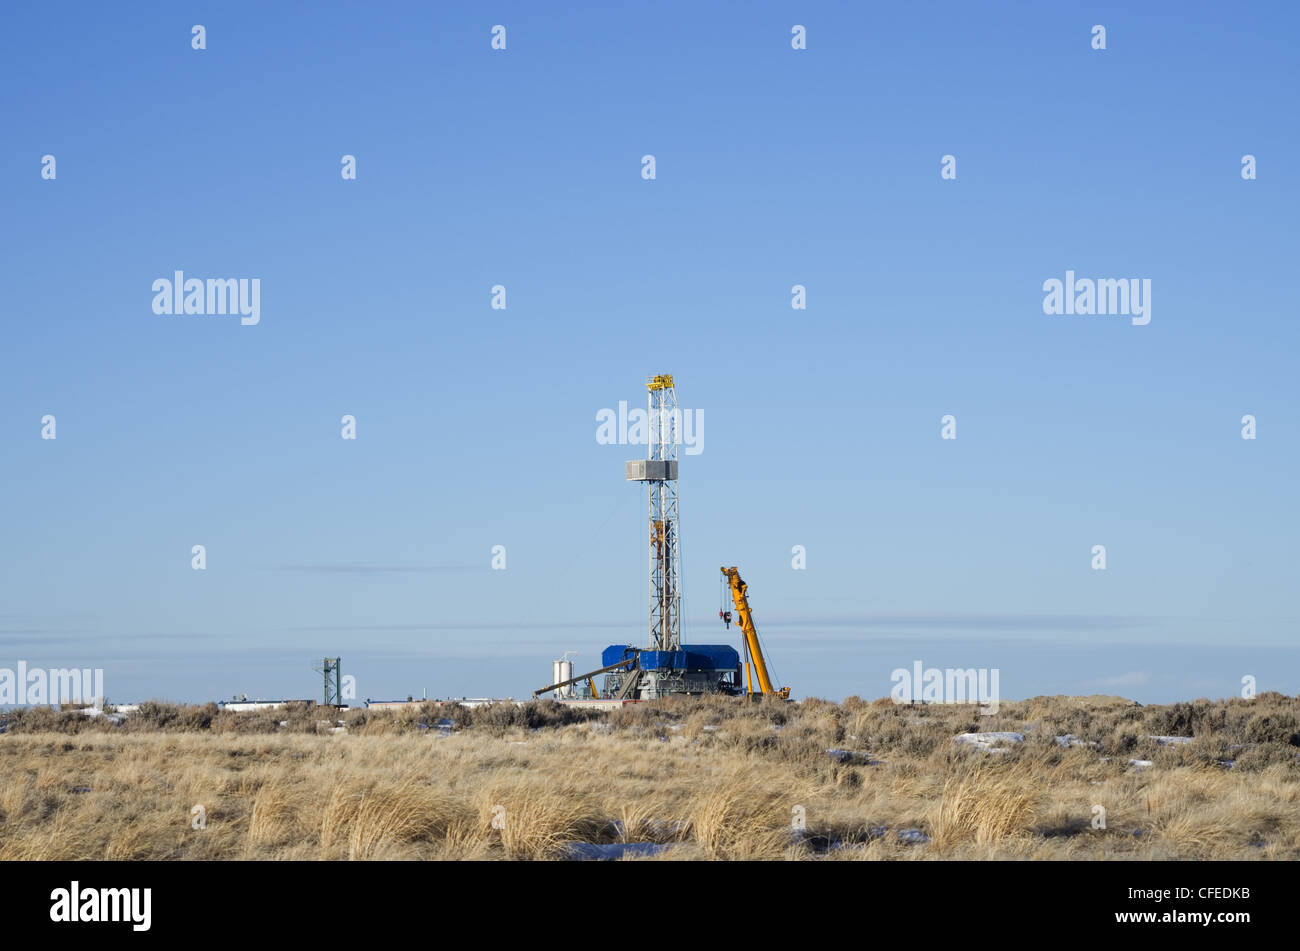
{"type": "Point", "coordinates": [331, 668]}
{"type": "Point", "coordinates": [659, 472]}
{"type": "Point", "coordinates": [666, 666]}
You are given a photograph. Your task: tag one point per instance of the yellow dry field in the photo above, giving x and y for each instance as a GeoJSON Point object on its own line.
{"type": "Point", "coordinates": [709, 779]}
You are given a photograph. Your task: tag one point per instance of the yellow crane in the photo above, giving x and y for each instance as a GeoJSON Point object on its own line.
{"type": "Point", "coordinates": [745, 618]}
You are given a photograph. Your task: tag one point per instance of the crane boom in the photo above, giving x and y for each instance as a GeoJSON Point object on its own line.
{"type": "Point", "coordinates": [745, 618]}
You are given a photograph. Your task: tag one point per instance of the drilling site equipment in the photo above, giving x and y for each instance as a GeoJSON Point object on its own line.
{"type": "Point", "coordinates": [665, 666]}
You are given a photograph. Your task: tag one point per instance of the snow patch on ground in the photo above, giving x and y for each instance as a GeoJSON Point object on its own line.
{"type": "Point", "coordinates": [990, 742]}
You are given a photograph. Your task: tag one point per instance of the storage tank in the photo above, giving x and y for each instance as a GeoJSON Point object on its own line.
{"type": "Point", "coordinates": [562, 670]}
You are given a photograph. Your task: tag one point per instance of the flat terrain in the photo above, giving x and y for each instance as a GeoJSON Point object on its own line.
{"type": "Point", "coordinates": [691, 779]}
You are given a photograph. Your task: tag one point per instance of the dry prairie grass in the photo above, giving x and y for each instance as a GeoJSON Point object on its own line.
{"type": "Point", "coordinates": [987, 804]}
{"type": "Point", "coordinates": [710, 779]}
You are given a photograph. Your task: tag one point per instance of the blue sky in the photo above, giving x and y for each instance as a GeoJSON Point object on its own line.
{"type": "Point", "coordinates": [476, 427]}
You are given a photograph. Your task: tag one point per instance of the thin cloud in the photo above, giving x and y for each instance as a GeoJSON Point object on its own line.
{"type": "Point", "coordinates": [344, 569]}
{"type": "Point", "coordinates": [1057, 622]}
{"type": "Point", "coordinates": [461, 626]}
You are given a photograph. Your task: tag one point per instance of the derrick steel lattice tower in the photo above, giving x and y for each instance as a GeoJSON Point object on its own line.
{"type": "Point", "coordinates": [332, 669]}
{"type": "Point", "coordinates": [659, 472]}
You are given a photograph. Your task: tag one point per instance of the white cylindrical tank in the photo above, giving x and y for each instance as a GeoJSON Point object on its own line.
{"type": "Point", "coordinates": [563, 671]}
